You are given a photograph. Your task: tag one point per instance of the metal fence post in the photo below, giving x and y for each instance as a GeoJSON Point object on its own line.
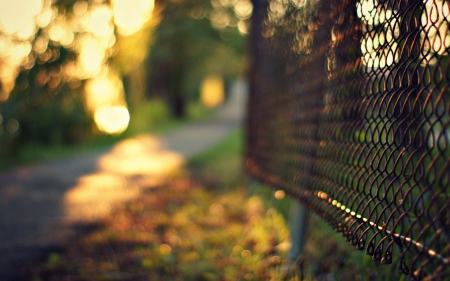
{"type": "Point", "coordinates": [298, 221]}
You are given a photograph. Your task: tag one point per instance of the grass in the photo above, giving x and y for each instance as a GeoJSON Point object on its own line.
{"type": "Point", "coordinates": [204, 223]}
{"type": "Point", "coordinates": [326, 253]}
{"type": "Point", "coordinates": [189, 228]}
{"type": "Point", "coordinates": [222, 164]}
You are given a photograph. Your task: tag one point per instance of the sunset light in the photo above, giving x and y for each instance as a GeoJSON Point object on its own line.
{"type": "Point", "coordinates": [19, 18]}
{"type": "Point", "coordinates": [113, 119]}
{"type": "Point", "coordinates": [18, 25]}
{"type": "Point", "coordinates": [221, 18]}
{"type": "Point", "coordinates": [374, 48]}
{"type": "Point", "coordinates": [92, 56]}
{"type": "Point", "coordinates": [143, 155]}
{"type": "Point", "coordinates": [378, 45]}
{"type": "Point", "coordinates": [88, 31]}
{"type": "Point", "coordinates": [105, 99]}
{"type": "Point", "coordinates": [130, 16]}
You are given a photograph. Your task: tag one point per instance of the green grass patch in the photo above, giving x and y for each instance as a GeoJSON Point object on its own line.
{"type": "Point", "coordinates": [222, 164]}
{"type": "Point", "coordinates": [328, 254]}
{"type": "Point", "coordinates": [151, 116]}
{"type": "Point", "coordinates": [229, 148]}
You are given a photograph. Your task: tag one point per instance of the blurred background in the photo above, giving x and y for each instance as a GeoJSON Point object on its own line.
{"type": "Point", "coordinates": [86, 73]}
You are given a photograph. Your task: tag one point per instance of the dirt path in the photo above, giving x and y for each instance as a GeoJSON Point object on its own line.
{"type": "Point", "coordinates": [42, 206]}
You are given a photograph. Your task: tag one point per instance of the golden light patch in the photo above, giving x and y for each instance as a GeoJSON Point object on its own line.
{"type": "Point", "coordinates": [279, 194]}
{"type": "Point", "coordinates": [212, 91]}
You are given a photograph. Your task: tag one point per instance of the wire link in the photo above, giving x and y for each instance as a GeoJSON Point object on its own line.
{"type": "Point", "coordinates": [349, 112]}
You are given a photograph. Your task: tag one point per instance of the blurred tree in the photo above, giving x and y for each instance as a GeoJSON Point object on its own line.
{"type": "Point", "coordinates": [43, 66]}
{"type": "Point", "coordinates": [43, 105]}
{"type": "Point", "coordinates": [194, 39]}
{"type": "Point", "coordinates": [133, 52]}
{"type": "Point", "coordinates": [48, 109]}
{"type": "Point", "coordinates": [45, 71]}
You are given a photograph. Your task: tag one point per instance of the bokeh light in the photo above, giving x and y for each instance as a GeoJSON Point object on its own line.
{"type": "Point", "coordinates": [243, 9]}
{"type": "Point", "coordinates": [103, 90]}
{"type": "Point", "coordinates": [31, 31]}
{"type": "Point", "coordinates": [112, 119]}
{"type": "Point", "coordinates": [19, 22]}
{"type": "Point", "coordinates": [130, 16]}
{"type": "Point", "coordinates": [377, 45]}
{"type": "Point", "coordinates": [436, 35]}
{"type": "Point", "coordinates": [143, 156]}
{"type": "Point", "coordinates": [19, 18]}
{"type": "Point", "coordinates": [105, 99]}
{"type": "Point", "coordinates": [212, 91]}
{"type": "Point", "coordinates": [279, 194]}
{"type": "Point", "coordinates": [228, 13]}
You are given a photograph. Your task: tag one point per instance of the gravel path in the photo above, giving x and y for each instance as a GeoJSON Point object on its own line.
{"type": "Point", "coordinates": [44, 205]}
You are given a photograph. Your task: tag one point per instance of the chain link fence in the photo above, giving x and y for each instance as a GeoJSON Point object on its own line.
{"type": "Point", "coordinates": [349, 112]}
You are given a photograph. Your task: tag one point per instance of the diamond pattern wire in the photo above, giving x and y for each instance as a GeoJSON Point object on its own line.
{"type": "Point", "coordinates": [349, 112]}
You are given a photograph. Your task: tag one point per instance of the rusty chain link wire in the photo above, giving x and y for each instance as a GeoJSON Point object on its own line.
{"type": "Point", "coordinates": [349, 113]}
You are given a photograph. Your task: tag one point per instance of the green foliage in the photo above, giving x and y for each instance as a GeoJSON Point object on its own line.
{"type": "Point", "coordinates": [196, 111]}
{"type": "Point", "coordinates": [45, 109]}
{"type": "Point", "coordinates": [187, 48]}
{"type": "Point", "coordinates": [147, 115]}
{"type": "Point", "coordinates": [47, 106]}
{"type": "Point", "coordinates": [154, 116]}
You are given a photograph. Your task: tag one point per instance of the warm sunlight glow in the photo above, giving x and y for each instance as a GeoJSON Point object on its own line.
{"type": "Point", "coordinates": [88, 31]}
{"type": "Point", "coordinates": [105, 90]}
{"type": "Point", "coordinates": [18, 17]}
{"type": "Point", "coordinates": [221, 17]}
{"type": "Point", "coordinates": [279, 194]}
{"type": "Point", "coordinates": [80, 8]}
{"type": "Point", "coordinates": [100, 22]}
{"type": "Point", "coordinates": [436, 37]}
{"type": "Point", "coordinates": [130, 16]}
{"type": "Point", "coordinates": [378, 47]}
{"type": "Point", "coordinates": [94, 194]}
{"type": "Point", "coordinates": [113, 119]}
{"type": "Point", "coordinates": [140, 156]}
{"type": "Point", "coordinates": [19, 21]}
{"type": "Point", "coordinates": [366, 9]}
{"type": "Point", "coordinates": [105, 99]}
{"type": "Point", "coordinates": [243, 9]}
{"type": "Point", "coordinates": [92, 56]}
{"type": "Point", "coordinates": [137, 145]}
{"type": "Point", "coordinates": [160, 163]}
{"type": "Point", "coordinates": [242, 27]}
{"type": "Point", "coordinates": [212, 91]}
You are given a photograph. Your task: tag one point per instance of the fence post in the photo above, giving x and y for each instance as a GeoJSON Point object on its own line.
{"type": "Point", "coordinates": [298, 221]}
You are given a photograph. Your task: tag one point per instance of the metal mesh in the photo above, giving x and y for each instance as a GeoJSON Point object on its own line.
{"type": "Point", "coordinates": [349, 112]}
